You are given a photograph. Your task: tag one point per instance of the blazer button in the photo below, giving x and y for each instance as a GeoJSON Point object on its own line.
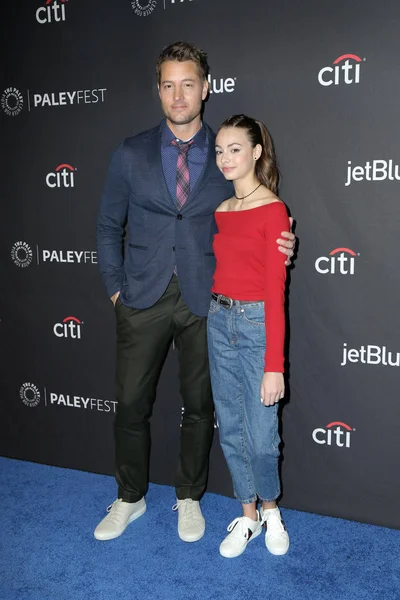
{"type": "Point", "coordinates": [179, 217]}
{"type": "Point", "coordinates": [173, 248]}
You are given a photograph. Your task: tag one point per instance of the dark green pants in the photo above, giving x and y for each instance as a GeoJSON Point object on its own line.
{"type": "Point", "coordinates": [143, 340]}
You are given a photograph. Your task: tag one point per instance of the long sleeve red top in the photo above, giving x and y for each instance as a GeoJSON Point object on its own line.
{"type": "Point", "coordinates": [250, 267]}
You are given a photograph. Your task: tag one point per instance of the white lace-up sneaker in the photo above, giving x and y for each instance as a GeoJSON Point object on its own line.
{"type": "Point", "coordinates": [276, 536]}
{"type": "Point", "coordinates": [191, 523]}
{"type": "Point", "coordinates": [242, 530]}
{"type": "Point", "coordinates": [120, 514]}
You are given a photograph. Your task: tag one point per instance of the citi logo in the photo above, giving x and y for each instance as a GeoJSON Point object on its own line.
{"type": "Point", "coordinates": [62, 177]}
{"type": "Point", "coordinates": [375, 170]}
{"type": "Point", "coordinates": [219, 86]}
{"type": "Point", "coordinates": [334, 434]}
{"type": "Point", "coordinates": [69, 328]}
{"type": "Point", "coordinates": [346, 69]}
{"type": "Point", "coordinates": [370, 355]}
{"type": "Point", "coordinates": [53, 12]}
{"type": "Point", "coordinates": [340, 260]}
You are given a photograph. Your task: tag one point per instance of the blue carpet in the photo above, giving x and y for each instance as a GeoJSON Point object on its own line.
{"type": "Point", "coordinates": [48, 552]}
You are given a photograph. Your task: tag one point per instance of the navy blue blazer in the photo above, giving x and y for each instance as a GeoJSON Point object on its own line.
{"type": "Point", "coordinates": [158, 236]}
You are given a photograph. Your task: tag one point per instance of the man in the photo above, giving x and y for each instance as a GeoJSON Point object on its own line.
{"type": "Point", "coordinates": [163, 185]}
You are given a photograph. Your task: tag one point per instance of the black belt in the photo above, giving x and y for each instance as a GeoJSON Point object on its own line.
{"type": "Point", "coordinates": [229, 302]}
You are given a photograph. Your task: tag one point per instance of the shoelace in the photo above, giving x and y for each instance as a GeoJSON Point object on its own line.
{"type": "Point", "coordinates": [115, 510]}
{"type": "Point", "coordinates": [274, 523]}
{"type": "Point", "coordinates": [188, 512]}
{"type": "Point", "coordinates": [242, 530]}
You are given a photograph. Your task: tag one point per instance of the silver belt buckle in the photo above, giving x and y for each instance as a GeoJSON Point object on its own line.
{"type": "Point", "coordinates": [230, 301]}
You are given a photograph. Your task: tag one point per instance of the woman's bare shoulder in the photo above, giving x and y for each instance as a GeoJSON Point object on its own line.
{"type": "Point", "coordinates": [225, 205]}
{"type": "Point", "coordinates": [269, 198]}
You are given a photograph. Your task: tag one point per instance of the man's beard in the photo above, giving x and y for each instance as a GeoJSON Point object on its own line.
{"type": "Point", "coordinates": [184, 120]}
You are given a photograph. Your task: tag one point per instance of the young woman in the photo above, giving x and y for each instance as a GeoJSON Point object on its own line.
{"type": "Point", "coordinates": [246, 326]}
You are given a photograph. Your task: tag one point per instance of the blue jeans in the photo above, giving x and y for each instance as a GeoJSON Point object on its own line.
{"type": "Point", "coordinates": [248, 430]}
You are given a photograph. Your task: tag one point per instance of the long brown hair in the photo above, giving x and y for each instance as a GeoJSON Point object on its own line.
{"type": "Point", "coordinates": [266, 169]}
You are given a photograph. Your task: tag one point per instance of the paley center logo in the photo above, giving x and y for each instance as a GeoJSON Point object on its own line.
{"type": "Point", "coordinates": [31, 395]}
{"type": "Point", "coordinates": [370, 355]}
{"type": "Point", "coordinates": [63, 176]}
{"type": "Point", "coordinates": [346, 69]}
{"type": "Point", "coordinates": [333, 434]}
{"type": "Point", "coordinates": [22, 255]}
{"type": "Point", "coordinates": [340, 260]}
{"type": "Point", "coordinates": [70, 327]}
{"type": "Point", "coordinates": [12, 100]}
{"type": "Point", "coordinates": [374, 170]}
{"type": "Point", "coordinates": [53, 11]}
{"type": "Point", "coordinates": [144, 8]}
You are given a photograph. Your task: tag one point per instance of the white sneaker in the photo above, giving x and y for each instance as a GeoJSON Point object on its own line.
{"type": "Point", "coordinates": [191, 523]}
{"type": "Point", "coordinates": [120, 514]}
{"type": "Point", "coordinates": [276, 536]}
{"type": "Point", "coordinates": [242, 530]}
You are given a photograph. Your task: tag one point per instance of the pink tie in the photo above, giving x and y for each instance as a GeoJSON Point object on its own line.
{"type": "Point", "coordinates": [182, 173]}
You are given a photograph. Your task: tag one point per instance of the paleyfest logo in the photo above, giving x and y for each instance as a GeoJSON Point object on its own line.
{"type": "Point", "coordinates": [346, 69]}
{"type": "Point", "coordinates": [31, 395]}
{"type": "Point", "coordinates": [12, 101]}
{"type": "Point", "coordinates": [22, 255]}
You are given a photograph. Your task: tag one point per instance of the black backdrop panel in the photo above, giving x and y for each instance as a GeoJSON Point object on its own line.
{"type": "Point", "coordinates": [79, 77]}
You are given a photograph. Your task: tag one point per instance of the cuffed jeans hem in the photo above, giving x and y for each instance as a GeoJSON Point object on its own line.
{"type": "Point", "coordinates": [253, 499]}
{"type": "Point", "coordinates": [271, 499]}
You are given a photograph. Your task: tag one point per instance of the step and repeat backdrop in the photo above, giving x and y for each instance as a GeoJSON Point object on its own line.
{"type": "Point", "coordinates": [77, 78]}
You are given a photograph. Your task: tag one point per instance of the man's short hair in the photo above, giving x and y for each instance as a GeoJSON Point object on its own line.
{"type": "Point", "coordinates": [182, 51]}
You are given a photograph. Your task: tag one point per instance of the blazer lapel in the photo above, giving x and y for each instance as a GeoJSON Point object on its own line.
{"type": "Point", "coordinates": [155, 162]}
{"type": "Point", "coordinates": [208, 169]}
